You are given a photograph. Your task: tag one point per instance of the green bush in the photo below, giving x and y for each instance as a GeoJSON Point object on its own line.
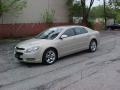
{"type": "Point", "coordinates": [48, 16]}
{"type": "Point", "coordinates": [11, 6]}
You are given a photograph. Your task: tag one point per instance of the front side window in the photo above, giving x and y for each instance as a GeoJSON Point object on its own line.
{"type": "Point", "coordinates": [80, 31]}
{"type": "Point", "coordinates": [69, 32]}
{"type": "Point", "coordinates": [49, 34]}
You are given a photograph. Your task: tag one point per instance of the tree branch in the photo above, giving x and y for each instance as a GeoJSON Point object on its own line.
{"type": "Point", "coordinates": [91, 3]}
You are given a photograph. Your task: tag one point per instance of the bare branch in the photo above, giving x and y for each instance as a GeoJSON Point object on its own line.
{"type": "Point", "coordinates": [91, 3]}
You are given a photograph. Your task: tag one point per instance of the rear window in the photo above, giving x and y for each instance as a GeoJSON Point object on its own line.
{"type": "Point", "coordinates": [80, 31]}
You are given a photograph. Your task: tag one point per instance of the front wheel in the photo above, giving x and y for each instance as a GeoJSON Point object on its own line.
{"type": "Point", "coordinates": [49, 57]}
{"type": "Point", "coordinates": [93, 46]}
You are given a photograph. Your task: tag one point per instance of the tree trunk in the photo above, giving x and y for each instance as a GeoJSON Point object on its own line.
{"type": "Point", "coordinates": [86, 12]}
{"type": "Point", "coordinates": [0, 8]}
{"type": "Point", "coordinates": [105, 13]}
{"type": "Point", "coordinates": [85, 21]}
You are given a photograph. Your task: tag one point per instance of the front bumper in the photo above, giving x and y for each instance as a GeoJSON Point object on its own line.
{"type": "Point", "coordinates": [35, 57]}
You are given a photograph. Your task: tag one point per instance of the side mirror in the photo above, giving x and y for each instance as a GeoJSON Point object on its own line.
{"type": "Point", "coordinates": [63, 36]}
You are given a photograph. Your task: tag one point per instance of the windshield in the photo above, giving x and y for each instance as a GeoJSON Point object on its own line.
{"type": "Point", "coordinates": [49, 34]}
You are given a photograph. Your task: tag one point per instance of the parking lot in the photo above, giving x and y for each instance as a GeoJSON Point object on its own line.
{"type": "Point", "coordinates": [80, 71]}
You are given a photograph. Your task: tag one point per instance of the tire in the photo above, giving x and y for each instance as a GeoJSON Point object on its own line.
{"type": "Point", "coordinates": [109, 29]}
{"type": "Point", "coordinates": [49, 57]}
{"type": "Point", "coordinates": [93, 46]}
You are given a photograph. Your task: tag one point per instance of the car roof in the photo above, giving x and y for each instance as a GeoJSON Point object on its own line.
{"type": "Point", "coordinates": [66, 27]}
{"type": "Point", "coordinates": [71, 26]}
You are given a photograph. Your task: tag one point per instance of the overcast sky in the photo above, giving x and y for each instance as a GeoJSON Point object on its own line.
{"type": "Point", "coordinates": [96, 2]}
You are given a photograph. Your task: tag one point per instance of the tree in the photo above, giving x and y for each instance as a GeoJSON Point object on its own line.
{"type": "Point", "coordinates": [7, 6]}
{"type": "Point", "coordinates": [105, 13]}
{"type": "Point", "coordinates": [74, 9]}
{"type": "Point", "coordinates": [80, 9]}
{"type": "Point", "coordinates": [86, 11]}
{"type": "Point", "coordinates": [98, 12]}
{"type": "Point", "coordinates": [115, 5]}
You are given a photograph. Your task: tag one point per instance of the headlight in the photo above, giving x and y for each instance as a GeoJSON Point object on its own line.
{"type": "Point", "coordinates": [32, 49]}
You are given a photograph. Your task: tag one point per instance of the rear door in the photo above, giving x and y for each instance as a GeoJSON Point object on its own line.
{"type": "Point", "coordinates": [82, 38]}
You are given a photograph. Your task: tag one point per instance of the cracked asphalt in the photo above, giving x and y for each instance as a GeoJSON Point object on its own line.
{"type": "Point", "coordinates": [80, 71]}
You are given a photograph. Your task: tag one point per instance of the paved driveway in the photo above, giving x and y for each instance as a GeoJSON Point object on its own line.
{"type": "Point", "coordinates": [81, 71]}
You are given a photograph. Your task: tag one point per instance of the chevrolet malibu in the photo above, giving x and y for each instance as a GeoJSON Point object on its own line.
{"type": "Point", "coordinates": [56, 42]}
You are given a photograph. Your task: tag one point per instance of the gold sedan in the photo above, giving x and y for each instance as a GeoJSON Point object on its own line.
{"type": "Point", "coordinates": [56, 42]}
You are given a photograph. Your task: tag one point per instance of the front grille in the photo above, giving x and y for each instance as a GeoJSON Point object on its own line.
{"type": "Point", "coordinates": [18, 55]}
{"type": "Point", "coordinates": [20, 48]}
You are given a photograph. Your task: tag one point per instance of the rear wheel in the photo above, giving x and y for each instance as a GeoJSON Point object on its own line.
{"type": "Point", "coordinates": [109, 28]}
{"type": "Point", "coordinates": [49, 57]}
{"type": "Point", "coordinates": [93, 46]}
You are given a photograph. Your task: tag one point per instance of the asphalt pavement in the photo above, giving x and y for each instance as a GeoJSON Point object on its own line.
{"type": "Point", "coordinates": [81, 71]}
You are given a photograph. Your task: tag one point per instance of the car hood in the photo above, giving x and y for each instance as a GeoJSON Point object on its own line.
{"type": "Point", "coordinates": [34, 42]}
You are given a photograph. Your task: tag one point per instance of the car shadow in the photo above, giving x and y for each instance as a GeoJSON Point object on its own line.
{"type": "Point", "coordinates": [29, 65]}
{"type": "Point", "coordinates": [74, 55]}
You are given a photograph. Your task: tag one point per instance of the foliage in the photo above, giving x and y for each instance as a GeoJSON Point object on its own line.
{"type": "Point", "coordinates": [74, 9]}
{"type": "Point", "coordinates": [11, 6]}
{"type": "Point", "coordinates": [86, 11]}
{"type": "Point", "coordinates": [118, 17]}
{"type": "Point", "coordinates": [115, 5]}
{"type": "Point", "coordinates": [98, 12]}
{"type": "Point", "coordinates": [48, 16]}
{"type": "Point", "coordinates": [112, 11]}
{"type": "Point", "coordinates": [80, 9]}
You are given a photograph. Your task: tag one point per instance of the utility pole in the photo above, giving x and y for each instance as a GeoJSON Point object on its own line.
{"type": "Point", "coordinates": [105, 13]}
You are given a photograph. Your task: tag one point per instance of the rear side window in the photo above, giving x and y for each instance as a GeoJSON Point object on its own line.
{"type": "Point", "coordinates": [69, 32]}
{"type": "Point", "coordinates": [80, 31]}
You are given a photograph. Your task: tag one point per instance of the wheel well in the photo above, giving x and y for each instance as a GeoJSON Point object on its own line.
{"type": "Point", "coordinates": [95, 40]}
{"type": "Point", "coordinates": [53, 49]}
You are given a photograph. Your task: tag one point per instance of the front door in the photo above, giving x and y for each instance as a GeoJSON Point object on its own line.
{"type": "Point", "coordinates": [67, 45]}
